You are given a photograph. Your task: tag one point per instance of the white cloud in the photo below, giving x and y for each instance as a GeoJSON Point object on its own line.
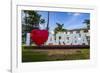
{"type": "Point", "coordinates": [76, 14]}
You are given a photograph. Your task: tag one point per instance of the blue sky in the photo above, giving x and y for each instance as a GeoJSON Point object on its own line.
{"type": "Point", "coordinates": [71, 20]}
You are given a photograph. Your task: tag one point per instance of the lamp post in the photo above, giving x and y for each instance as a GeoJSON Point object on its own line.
{"type": "Point", "coordinates": [48, 22]}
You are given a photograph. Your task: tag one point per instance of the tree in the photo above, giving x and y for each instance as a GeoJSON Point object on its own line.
{"type": "Point", "coordinates": [87, 22]}
{"type": "Point", "coordinates": [32, 20]}
{"type": "Point", "coordinates": [59, 28]}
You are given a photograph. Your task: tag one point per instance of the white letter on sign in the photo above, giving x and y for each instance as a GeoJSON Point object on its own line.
{"type": "Point", "coordinates": [83, 38]}
{"type": "Point", "coordinates": [68, 38]}
{"type": "Point", "coordinates": [50, 39]}
{"type": "Point", "coordinates": [75, 38]}
{"type": "Point", "coordinates": [60, 38]}
{"type": "Point", "coordinates": [28, 39]}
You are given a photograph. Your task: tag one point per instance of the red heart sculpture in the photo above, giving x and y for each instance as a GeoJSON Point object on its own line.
{"type": "Point", "coordinates": [39, 36]}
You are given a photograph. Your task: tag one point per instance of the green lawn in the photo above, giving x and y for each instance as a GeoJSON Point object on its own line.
{"type": "Point", "coordinates": [29, 55]}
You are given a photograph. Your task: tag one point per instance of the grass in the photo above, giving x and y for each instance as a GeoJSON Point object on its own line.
{"type": "Point", "coordinates": [30, 55]}
{"type": "Point", "coordinates": [33, 56]}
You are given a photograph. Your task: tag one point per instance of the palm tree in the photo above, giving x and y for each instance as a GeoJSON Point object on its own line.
{"type": "Point", "coordinates": [32, 20]}
{"type": "Point", "coordinates": [59, 28]}
{"type": "Point", "coordinates": [87, 22]}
